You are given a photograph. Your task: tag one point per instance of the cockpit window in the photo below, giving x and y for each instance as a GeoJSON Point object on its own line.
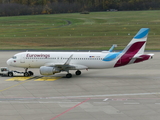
{"type": "Point", "coordinates": [14, 57]}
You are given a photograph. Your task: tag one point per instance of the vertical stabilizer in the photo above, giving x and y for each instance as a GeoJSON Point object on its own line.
{"type": "Point", "coordinates": [135, 48]}
{"type": "Point", "coordinates": [138, 43]}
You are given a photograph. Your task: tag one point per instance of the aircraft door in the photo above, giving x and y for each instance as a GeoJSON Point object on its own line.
{"type": "Point", "coordinates": [22, 59]}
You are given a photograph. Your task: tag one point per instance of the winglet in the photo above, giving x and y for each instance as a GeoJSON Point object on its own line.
{"type": "Point", "coordinates": [113, 46]}
{"type": "Point", "coordinates": [68, 61]}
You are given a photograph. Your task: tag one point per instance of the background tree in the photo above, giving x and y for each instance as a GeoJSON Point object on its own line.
{"type": "Point", "coordinates": [23, 7]}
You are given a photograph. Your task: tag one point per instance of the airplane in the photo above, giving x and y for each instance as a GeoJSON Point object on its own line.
{"type": "Point", "coordinates": [50, 63]}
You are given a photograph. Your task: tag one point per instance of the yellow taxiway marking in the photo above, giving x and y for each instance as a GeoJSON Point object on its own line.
{"type": "Point", "coordinates": [19, 78]}
{"type": "Point", "coordinates": [26, 79]}
{"type": "Point", "coordinates": [13, 86]}
{"type": "Point", "coordinates": [47, 79]}
{"type": "Point", "coordinates": [35, 79]}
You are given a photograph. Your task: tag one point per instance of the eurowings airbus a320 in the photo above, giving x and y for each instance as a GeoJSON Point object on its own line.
{"type": "Point", "coordinates": [50, 63]}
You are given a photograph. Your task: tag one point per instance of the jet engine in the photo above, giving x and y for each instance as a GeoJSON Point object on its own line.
{"type": "Point", "coordinates": [44, 70]}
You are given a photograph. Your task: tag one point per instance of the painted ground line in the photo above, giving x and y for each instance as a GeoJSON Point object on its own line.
{"type": "Point", "coordinates": [107, 95]}
{"type": "Point", "coordinates": [70, 109]}
{"type": "Point", "coordinates": [131, 103]}
{"type": "Point", "coordinates": [13, 86]}
{"type": "Point", "coordinates": [19, 79]}
{"type": "Point", "coordinates": [105, 99]}
{"type": "Point", "coordinates": [48, 79]}
{"type": "Point", "coordinates": [32, 78]}
{"type": "Point", "coordinates": [28, 79]}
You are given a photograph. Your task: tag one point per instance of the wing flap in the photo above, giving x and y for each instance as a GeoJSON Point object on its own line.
{"type": "Point", "coordinates": [78, 67]}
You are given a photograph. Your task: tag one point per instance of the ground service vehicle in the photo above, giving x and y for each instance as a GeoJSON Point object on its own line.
{"type": "Point", "coordinates": [4, 71]}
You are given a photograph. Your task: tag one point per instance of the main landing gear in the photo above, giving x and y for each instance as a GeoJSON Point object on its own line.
{"type": "Point", "coordinates": [69, 75]}
{"type": "Point", "coordinates": [29, 73]}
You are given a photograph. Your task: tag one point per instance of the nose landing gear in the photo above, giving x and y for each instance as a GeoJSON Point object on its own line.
{"type": "Point", "coordinates": [29, 73]}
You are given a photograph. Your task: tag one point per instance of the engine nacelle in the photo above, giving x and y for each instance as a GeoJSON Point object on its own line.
{"type": "Point", "coordinates": [44, 70]}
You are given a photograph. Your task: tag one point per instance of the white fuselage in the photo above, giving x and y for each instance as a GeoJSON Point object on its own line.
{"type": "Point", "coordinates": [93, 60]}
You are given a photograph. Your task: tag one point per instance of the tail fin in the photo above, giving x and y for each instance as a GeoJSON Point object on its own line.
{"type": "Point", "coordinates": [138, 43]}
{"type": "Point", "coordinates": [135, 49]}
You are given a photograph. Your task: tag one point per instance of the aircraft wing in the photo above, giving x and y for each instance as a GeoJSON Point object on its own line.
{"type": "Point", "coordinates": [63, 66]}
{"type": "Point", "coordinates": [67, 65]}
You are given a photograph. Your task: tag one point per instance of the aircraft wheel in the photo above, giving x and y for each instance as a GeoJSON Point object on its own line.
{"type": "Point", "coordinates": [10, 74]}
{"type": "Point", "coordinates": [78, 72]}
{"type": "Point", "coordinates": [69, 75]}
{"type": "Point", "coordinates": [26, 74]}
{"type": "Point", "coordinates": [30, 73]}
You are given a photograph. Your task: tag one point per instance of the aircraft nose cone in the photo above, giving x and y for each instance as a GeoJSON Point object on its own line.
{"type": "Point", "coordinates": [8, 62]}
